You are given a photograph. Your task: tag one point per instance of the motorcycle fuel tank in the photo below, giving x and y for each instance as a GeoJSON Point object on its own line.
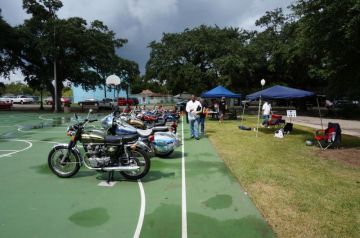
{"type": "Point", "coordinates": [94, 136]}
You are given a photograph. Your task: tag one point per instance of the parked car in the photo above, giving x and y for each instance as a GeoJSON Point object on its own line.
{"type": "Point", "coordinates": [124, 102]}
{"type": "Point", "coordinates": [89, 101]}
{"type": "Point", "coordinates": [5, 105]}
{"type": "Point", "coordinates": [64, 101]}
{"type": "Point", "coordinates": [23, 99]}
{"type": "Point", "coordinates": [107, 103]}
{"type": "Point", "coordinates": [7, 99]}
{"type": "Point", "coordinates": [345, 103]}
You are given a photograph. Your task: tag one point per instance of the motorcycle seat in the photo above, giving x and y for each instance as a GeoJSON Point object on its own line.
{"type": "Point", "coordinates": [144, 133]}
{"type": "Point", "coordinates": [160, 129]}
{"type": "Point", "coordinates": [120, 138]}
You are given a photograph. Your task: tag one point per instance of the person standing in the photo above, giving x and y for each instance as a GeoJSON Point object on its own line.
{"type": "Point", "coordinates": [193, 109]}
{"type": "Point", "coordinates": [203, 114]}
{"type": "Point", "coordinates": [222, 109]}
{"type": "Point", "coordinates": [266, 113]}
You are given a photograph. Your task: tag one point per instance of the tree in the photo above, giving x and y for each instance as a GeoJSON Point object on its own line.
{"type": "Point", "coordinates": [331, 30]}
{"type": "Point", "coordinates": [9, 48]}
{"type": "Point", "coordinates": [83, 55]}
{"type": "Point", "coordinates": [196, 60]}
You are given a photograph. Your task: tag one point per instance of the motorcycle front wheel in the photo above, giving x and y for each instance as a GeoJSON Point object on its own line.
{"type": "Point", "coordinates": [137, 158]}
{"type": "Point", "coordinates": [66, 168]}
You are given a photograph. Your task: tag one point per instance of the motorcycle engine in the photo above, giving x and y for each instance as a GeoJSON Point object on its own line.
{"type": "Point", "coordinates": [97, 155]}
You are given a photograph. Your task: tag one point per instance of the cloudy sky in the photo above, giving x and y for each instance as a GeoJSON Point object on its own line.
{"type": "Point", "coordinates": [142, 21]}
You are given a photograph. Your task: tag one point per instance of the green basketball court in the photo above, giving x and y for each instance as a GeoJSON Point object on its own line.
{"type": "Point", "coordinates": [190, 194]}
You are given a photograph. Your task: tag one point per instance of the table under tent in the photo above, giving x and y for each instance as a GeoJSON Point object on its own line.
{"type": "Point", "coordinates": [219, 92]}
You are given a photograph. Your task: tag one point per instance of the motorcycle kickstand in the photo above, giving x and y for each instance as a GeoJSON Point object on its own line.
{"type": "Point", "coordinates": [110, 177]}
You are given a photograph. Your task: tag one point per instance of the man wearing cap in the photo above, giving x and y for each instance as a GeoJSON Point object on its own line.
{"type": "Point", "coordinates": [193, 109]}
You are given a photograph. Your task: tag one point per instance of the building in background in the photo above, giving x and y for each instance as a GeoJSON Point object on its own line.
{"type": "Point", "coordinates": [149, 97]}
{"type": "Point", "coordinates": [80, 94]}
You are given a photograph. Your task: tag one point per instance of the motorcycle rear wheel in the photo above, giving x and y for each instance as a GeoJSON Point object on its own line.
{"type": "Point", "coordinates": [141, 159]}
{"type": "Point", "coordinates": [70, 166]}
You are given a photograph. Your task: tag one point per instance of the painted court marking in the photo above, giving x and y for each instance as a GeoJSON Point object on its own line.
{"type": "Point", "coordinates": [142, 210]}
{"type": "Point", "coordinates": [183, 186]}
{"type": "Point", "coordinates": [45, 119]}
{"type": "Point", "coordinates": [17, 151]}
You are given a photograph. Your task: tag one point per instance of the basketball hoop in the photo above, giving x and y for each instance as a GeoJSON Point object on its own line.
{"type": "Point", "coordinates": [113, 80]}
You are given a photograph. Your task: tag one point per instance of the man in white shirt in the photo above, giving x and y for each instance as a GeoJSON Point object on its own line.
{"type": "Point", "coordinates": [266, 113]}
{"type": "Point", "coordinates": [193, 109]}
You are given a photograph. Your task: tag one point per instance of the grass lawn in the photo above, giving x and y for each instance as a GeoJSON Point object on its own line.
{"type": "Point", "coordinates": [301, 190]}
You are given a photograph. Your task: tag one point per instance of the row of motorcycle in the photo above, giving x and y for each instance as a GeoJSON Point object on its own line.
{"type": "Point", "coordinates": [124, 144]}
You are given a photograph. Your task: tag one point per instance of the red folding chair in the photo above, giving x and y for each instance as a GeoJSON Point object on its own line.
{"type": "Point", "coordinates": [330, 137]}
{"type": "Point", "coordinates": [276, 120]}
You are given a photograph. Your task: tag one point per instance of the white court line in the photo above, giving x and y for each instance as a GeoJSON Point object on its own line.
{"type": "Point", "coordinates": [32, 130]}
{"type": "Point", "coordinates": [17, 151]}
{"type": "Point", "coordinates": [142, 210]}
{"type": "Point", "coordinates": [46, 119]}
{"type": "Point", "coordinates": [183, 186]}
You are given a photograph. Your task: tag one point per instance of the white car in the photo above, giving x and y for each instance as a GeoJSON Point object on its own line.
{"type": "Point", "coordinates": [8, 99]}
{"type": "Point", "coordinates": [23, 99]}
{"type": "Point", "coordinates": [107, 103]}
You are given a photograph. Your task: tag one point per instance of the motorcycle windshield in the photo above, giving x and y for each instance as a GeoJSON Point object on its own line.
{"type": "Point", "coordinates": [106, 122]}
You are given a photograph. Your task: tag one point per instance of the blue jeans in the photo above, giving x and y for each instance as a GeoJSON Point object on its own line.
{"type": "Point", "coordinates": [266, 119]}
{"type": "Point", "coordinates": [202, 125]}
{"type": "Point", "coordinates": [194, 127]}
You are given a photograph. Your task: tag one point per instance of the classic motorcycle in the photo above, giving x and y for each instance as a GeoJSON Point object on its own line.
{"type": "Point", "coordinates": [161, 141]}
{"type": "Point", "coordinates": [103, 153]}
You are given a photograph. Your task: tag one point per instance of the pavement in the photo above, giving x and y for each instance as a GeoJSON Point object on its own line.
{"type": "Point", "coordinates": [191, 193]}
{"type": "Point", "coordinates": [348, 127]}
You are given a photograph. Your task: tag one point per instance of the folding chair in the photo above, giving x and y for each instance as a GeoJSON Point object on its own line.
{"type": "Point", "coordinates": [276, 120]}
{"type": "Point", "coordinates": [331, 137]}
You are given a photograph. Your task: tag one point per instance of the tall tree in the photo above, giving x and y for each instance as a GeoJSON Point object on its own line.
{"type": "Point", "coordinates": [197, 59]}
{"type": "Point", "coordinates": [83, 54]}
{"type": "Point", "coordinates": [9, 48]}
{"type": "Point", "coordinates": [331, 30]}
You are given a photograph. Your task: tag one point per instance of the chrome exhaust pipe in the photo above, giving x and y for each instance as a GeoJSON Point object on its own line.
{"type": "Point", "coordinates": [118, 168]}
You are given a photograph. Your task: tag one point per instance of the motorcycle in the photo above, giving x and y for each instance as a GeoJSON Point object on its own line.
{"type": "Point", "coordinates": [103, 153]}
{"type": "Point", "coordinates": [161, 141]}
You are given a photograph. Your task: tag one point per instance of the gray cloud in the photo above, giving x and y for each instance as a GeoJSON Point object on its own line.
{"type": "Point", "coordinates": [142, 21]}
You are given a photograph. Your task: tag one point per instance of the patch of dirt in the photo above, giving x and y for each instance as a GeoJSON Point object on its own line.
{"type": "Point", "coordinates": [346, 156]}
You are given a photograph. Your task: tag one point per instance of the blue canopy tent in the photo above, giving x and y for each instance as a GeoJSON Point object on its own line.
{"type": "Point", "coordinates": [219, 92]}
{"type": "Point", "coordinates": [280, 92]}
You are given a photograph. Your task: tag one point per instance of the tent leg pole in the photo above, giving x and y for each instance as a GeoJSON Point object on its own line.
{"type": "Point", "coordinates": [242, 117]}
{"type": "Point", "coordinates": [257, 125]}
{"type": "Point", "coordinates": [317, 100]}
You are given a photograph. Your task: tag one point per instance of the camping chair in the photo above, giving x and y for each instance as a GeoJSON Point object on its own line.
{"type": "Point", "coordinates": [276, 120]}
{"type": "Point", "coordinates": [329, 137]}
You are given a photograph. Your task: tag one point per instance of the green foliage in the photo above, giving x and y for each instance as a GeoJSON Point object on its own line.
{"type": "Point", "coordinates": [197, 59]}
{"type": "Point", "coordinates": [331, 30]}
{"type": "Point", "coordinates": [315, 47]}
{"type": "Point", "coordinates": [9, 48]}
{"type": "Point", "coordinates": [84, 55]}
{"type": "Point", "coordinates": [17, 88]}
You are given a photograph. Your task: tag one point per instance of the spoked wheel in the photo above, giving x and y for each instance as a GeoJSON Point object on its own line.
{"type": "Point", "coordinates": [62, 162]}
{"type": "Point", "coordinates": [137, 158]}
